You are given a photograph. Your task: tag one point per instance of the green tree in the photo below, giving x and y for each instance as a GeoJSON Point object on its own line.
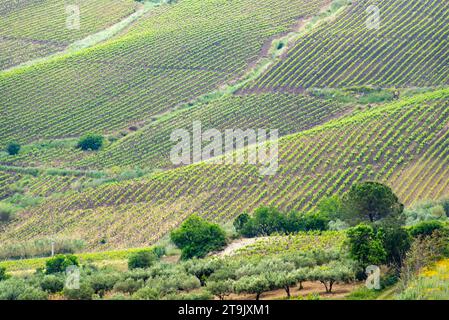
{"type": "Point", "coordinates": [256, 284]}
{"type": "Point", "coordinates": [196, 238]}
{"type": "Point", "coordinates": [366, 245]}
{"type": "Point", "coordinates": [221, 289]}
{"type": "Point", "coordinates": [241, 221]}
{"type": "Point", "coordinates": [3, 275]}
{"type": "Point", "coordinates": [396, 242]}
{"type": "Point", "coordinates": [331, 273]}
{"type": "Point", "coordinates": [90, 142]}
{"type": "Point", "coordinates": [426, 228]}
{"type": "Point", "coordinates": [142, 259]}
{"type": "Point", "coordinates": [60, 262]}
{"type": "Point", "coordinates": [13, 148]}
{"type": "Point", "coordinates": [370, 201]}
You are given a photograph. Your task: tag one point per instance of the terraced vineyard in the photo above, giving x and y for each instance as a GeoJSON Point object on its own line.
{"type": "Point", "coordinates": [150, 147]}
{"type": "Point", "coordinates": [403, 144]}
{"type": "Point", "coordinates": [127, 80]}
{"type": "Point", "coordinates": [31, 29]}
{"type": "Point", "coordinates": [408, 49]}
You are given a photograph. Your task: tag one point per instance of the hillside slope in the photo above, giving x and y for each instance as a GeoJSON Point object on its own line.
{"type": "Point", "coordinates": [403, 144]}
{"type": "Point", "coordinates": [31, 29]}
{"type": "Point", "coordinates": [177, 53]}
{"type": "Point", "coordinates": [407, 47]}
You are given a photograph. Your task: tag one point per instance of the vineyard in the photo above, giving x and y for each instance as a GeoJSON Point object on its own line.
{"type": "Point", "coordinates": [31, 29]}
{"type": "Point", "coordinates": [150, 147]}
{"type": "Point", "coordinates": [301, 242]}
{"type": "Point", "coordinates": [408, 47]}
{"type": "Point", "coordinates": [403, 144]}
{"type": "Point", "coordinates": [127, 81]}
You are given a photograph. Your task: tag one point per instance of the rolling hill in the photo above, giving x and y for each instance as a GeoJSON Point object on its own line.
{"type": "Point", "coordinates": [403, 144]}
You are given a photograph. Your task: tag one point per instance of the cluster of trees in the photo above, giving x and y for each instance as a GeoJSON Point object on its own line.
{"type": "Point", "coordinates": [269, 220]}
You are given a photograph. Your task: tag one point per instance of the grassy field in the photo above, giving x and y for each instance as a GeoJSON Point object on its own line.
{"type": "Point", "coordinates": [408, 49]}
{"type": "Point", "coordinates": [403, 144]}
{"type": "Point", "coordinates": [31, 29]}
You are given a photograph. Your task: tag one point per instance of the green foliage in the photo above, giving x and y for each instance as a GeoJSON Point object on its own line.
{"type": "Point", "coordinates": [396, 242]}
{"type": "Point", "coordinates": [13, 148]}
{"type": "Point", "coordinates": [91, 141]}
{"type": "Point", "coordinates": [255, 284]}
{"type": "Point", "coordinates": [142, 259]}
{"type": "Point", "coordinates": [3, 275]}
{"type": "Point", "coordinates": [328, 274]}
{"type": "Point", "coordinates": [60, 262]}
{"type": "Point", "coordinates": [269, 220]}
{"type": "Point", "coordinates": [366, 245]}
{"type": "Point", "coordinates": [101, 282]}
{"type": "Point", "coordinates": [84, 292]}
{"type": "Point", "coordinates": [6, 211]}
{"type": "Point", "coordinates": [197, 237]}
{"type": "Point", "coordinates": [221, 289]}
{"type": "Point", "coordinates": [370, 201]}
{"type": "Point", "coordinates": [426, 228]}
{"type": "Point", "coordinates": [128, 285]}
{"type": "Point", "coordinates": [19, 289]}
{"type": "Point", "coordinates": [52, 283]}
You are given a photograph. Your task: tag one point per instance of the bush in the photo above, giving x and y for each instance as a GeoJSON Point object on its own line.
{"type": "Point", "coordinates": [52, 284]}
{"type": "Point", "coordinates": [147, 293]}
{"type": "Point", "coordinates": [366, 245]}
{"type": "Point", "coordinates": [90, 142]}
{"type": "Point", "coordinates": [426, 228]}
{"type": "Point", "coordinates": [3, 275]}
{"type": "Point", "coordinates": [6, 211]}
{"type": "Point", "coordinates": [13, 148]}
{"type": "Point", "coordinates": [129, 285]}
{"type": "Point", "coordinates": [142, 259]}
{"type": "Point", "coordinates": [197, 237]}
{"type": "Point", "coordinates": [100, 282]}
{"type": "Point", "coordinates": [18, 289]}
{"type": "Point", "coordinates": [85, 292]}
{"type": "Point", "coordinates": [59, 263]}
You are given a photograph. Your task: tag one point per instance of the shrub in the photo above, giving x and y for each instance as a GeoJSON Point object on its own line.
{"type": "Point", "coordinates": [52, 284]}
{"type": "Point", "coordinates": [197, 237]}
{"type": "Point", "coordinates": [3, 275]}
{"type": "Point", "coordinates": [142, 259]}
{"type": "Point", "coordinates": [13, 148]}
{"type": "Point", "coordinates": [85, 292]}
{"type": "Point", "coordinates": [366, 246]}
{"type": "Point", "coordinates": [59, 263]}
{"type": "Point", "coordinates": [101, 282]}
{"type": "Point", "coordinates": [90, 142]}
{"type": "Point", "coordinates": [18, 289]}
{"type": "Point", "coordinates": [426, 228]}
{"type": "Point", "coordinates": [129, 285]}
{"type": "Point", "coordinates": [6, 211]}
{"type": "Point", "coordinates": [147, 293]}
